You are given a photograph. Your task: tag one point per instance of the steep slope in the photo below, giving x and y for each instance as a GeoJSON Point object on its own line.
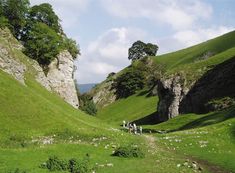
{"type": "Point", "coordinates": [36, 124]}
{"type": "Point", "coordinates": [198, 52]}
{"type": "Point", "coordinates": [182, 69]}
{"type": "Point", "coordinates": [133, 108]}
{"type": "Point", "coordinates": [27, 108]}
{"type": "Point", "coordinates": [59, 77]}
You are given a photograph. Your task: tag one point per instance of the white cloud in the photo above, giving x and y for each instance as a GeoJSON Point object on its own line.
{"type": "Point", "coordinates": [179, 14]}
{"type": "Point", "coordinates": [191, 37]}
{"type": "Point", "coordinates": [108, 53]}
{"type": "Point", "coordinates": [185, 38]}
{"type": "Point", "coordinates": [68, 11]}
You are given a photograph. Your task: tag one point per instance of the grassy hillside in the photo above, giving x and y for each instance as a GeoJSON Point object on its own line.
{"type": "Point", "coordinates": [129, 109]}
{"type": "Point", "coordinates": [30, 113]}
{"type": "Point", "coordinates": [208, 137]}
{"type": "Point", "coordinates": [188, 62]}
{"type": "Point", "coordinates": [195, 53]}
{"type": "Point", "coordinates": [36, 124]}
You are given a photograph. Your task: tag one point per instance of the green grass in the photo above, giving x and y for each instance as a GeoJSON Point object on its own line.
{"type": "Point", "coordinates": [209, 137]}
{"type": "Point", "coordinates": [191, 54]}
{"type": "Point", "coordinates": [30, 159]}
{"type": "Point", "coordinates": [132, 108]}
{"type": "Point", "coordinates": [29, 114]}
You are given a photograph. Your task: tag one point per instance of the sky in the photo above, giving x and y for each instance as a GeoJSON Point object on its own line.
{"type": "Point", "coordinates": [106, 29]}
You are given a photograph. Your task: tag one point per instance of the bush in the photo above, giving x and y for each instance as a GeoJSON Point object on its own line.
{"type": "Point", "coordinates": [55, 164]}
{"type": "Point", "coordinates": [129, 152]}
{"type": "Point", "coordinates": [128, 83]}
{"type": "Point", "coordinates": [3, 22]}
{"type": "Point", "coordinates": [79, 166]}
{"type": "Point", "coordinates": [72, 165]}
{"type": "Point", "coordinates": [220, 103]}
{"type": "Point", "coordinates": [87, 105]}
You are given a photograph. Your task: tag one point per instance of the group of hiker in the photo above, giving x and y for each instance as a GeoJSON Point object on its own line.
{"type": "Point", "coordinates": [132, 127]}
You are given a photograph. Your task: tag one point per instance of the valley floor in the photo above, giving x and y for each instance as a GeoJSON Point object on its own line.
{"type": "Point", "coordinates": [188, 143]}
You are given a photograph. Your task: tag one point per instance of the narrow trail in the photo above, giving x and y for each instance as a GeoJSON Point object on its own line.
{"type": "Point", "coordinates": [151, 142]}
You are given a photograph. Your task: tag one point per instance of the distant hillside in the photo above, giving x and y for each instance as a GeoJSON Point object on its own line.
{"type": "Point", "coordinates": [83, 88]}
{"type": "Point", "coordinates": [182, 69]}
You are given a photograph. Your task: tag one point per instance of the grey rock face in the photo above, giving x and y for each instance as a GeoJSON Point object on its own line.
{"type": "Point", "coordinates": [214, 84]}
{"type": "Point", "coordinates": [170, 92]}
{"type": "Point", "coordinates": [60, 77]}
{"type": "Point", "coordinates": [106, 95]}
{"type": "Point", "coordinates": [40, 76]}
{"type": "Point", "coordinates": [11, 65]}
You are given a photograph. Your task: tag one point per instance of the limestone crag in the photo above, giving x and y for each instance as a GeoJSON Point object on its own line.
{"type": "Point", "coordinates": [11, 65]}
{"type": "Point", "coordinates": [217, 83]}
{"type": "Point", "coordinates": [60, 74]}
{"type": "Point", "coordinates": [40, 76]}
{"type": "Point", "coordinates": [105, 94]}
{"type": "Point", "coordinates": [60, 77]}
{"type": "Point", "coordinates": [170, 91]}
{"type": "Point", "coordinates": [175, 98]}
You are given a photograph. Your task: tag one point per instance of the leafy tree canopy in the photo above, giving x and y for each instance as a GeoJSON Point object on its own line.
{"type": "Point", "coordinates": [38, 28]}
{"type": "Point", "coordinates": [71, 46]}
{"type": "Point", "coordinates": [129, 82]}
{"type": "Point", "coordinates": [43, 43]}
{"type": "Point", "coordinates": [140, 50]}
{"type": "Point", "coordinates": [44, 13]}
{"type": "Point", "coordinates": [16, 11]}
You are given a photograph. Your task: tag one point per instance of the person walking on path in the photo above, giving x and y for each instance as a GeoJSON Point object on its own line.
{"type": "Point", "coordinates": [141, 130]}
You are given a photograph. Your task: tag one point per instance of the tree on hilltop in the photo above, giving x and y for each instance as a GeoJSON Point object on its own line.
{"type": "Point", "coordinates": [140, 50]}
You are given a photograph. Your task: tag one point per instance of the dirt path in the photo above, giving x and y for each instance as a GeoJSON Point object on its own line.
{"type": "Point", "coordinates": [151, 142]}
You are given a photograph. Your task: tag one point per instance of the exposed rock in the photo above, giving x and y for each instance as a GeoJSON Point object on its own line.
{"type": "Point", "coordinates": [171, 92]}
{"type": "Point", "coordinates": [40, 76]}
{"type": "Point", "coordinates": [206, 55]}
{"type": "Point", "coordinates": [216, 83]}
{"type": "Point", "coordinates": [60, 77]}
{"type": "Point", "coordinates": [105, 94]}
{"type": "Point", "coordinates": [11, 65]}
{"type": "Point", "coordinates": [60, 74]}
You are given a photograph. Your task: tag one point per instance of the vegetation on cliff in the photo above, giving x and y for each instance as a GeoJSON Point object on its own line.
{"type": "Point", "coordinates": [38, 28]}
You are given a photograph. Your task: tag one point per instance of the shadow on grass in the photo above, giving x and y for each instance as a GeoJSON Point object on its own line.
{"type": "Point", "coordinates": [142, 93]}
{"type": "Point", "coordinates": [211, 119]}
{"type": "Point", "coordinates": [147, 120]}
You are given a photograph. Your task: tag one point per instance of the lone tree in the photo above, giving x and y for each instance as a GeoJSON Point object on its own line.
{"type": "Point", "coordinates": [140, 50]}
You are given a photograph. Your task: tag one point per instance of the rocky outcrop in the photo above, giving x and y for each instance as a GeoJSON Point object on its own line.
{"type": "Point", "coordinates": [105, 94]}
{"type": "Point", "coordinates": [175, 98]}
{"type": "Point", "coordinates": [215, 84]}
{"type": "Point", "coordinates": [60, 77]}
{"type": "Point", "coordinates": [40, 76]}
{"type": "Point", "coordinates": [170, 91]}
{"type": "Point", "coordinates": [60, 73]}
{"type": "Point", "coordinates": [8, 63]}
